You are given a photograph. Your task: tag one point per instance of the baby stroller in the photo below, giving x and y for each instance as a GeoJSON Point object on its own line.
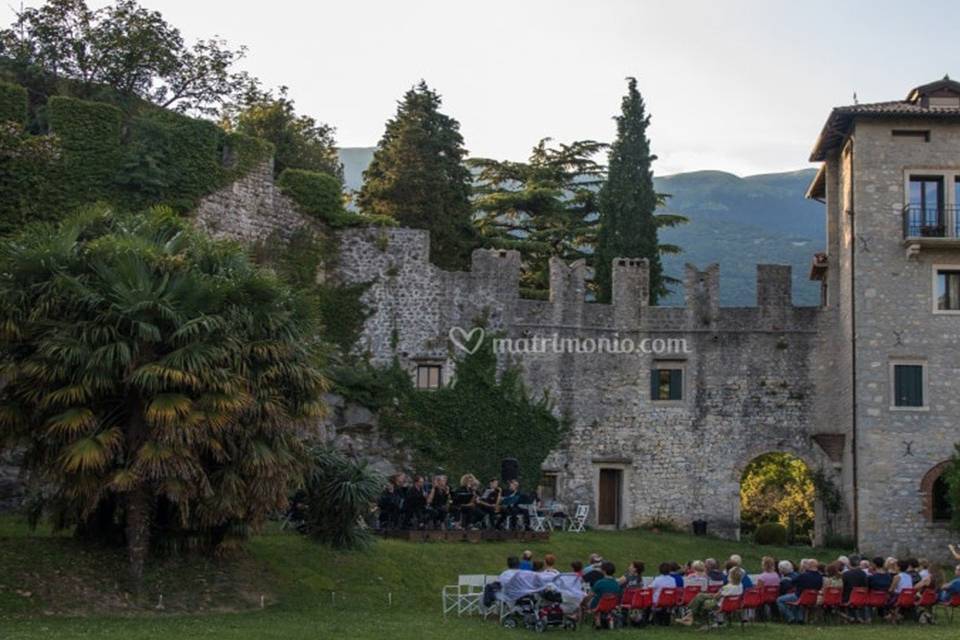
{"type": "Point", "coordinates": [539, 612]}
{"type": "Point", "coordinates": [535, 602]}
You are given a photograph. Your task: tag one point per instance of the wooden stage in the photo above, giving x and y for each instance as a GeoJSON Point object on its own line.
{"type": "Point", "coordinates": [482, 535]}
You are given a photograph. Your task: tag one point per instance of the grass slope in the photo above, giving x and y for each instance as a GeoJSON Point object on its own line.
{"type": "Point", "coordinates": [391, 591]}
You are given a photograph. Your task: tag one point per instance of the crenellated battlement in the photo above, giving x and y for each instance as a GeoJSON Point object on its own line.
{"type": "Point", "coordinates": [395, 261]}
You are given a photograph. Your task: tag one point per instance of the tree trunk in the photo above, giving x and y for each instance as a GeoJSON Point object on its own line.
{"type": "Point", "coordinates": [138, 532]}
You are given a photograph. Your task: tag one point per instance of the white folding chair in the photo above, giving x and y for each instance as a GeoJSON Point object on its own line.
{"type": "Point", "coordinates": [537, 521]}
{"type": "Point", "coordinates": [466, 596]}
{"type": "Point", "coordinates": [579, 521]}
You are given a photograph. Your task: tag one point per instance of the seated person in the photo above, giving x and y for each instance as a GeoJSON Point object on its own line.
{"type": "Point", "coordinates": [550, 564]}
{"type": "Point", "coordinates": [713, 572]}
{"type": "Point", "coordinates": [488, 504]}
{"type": "Point", "coordinates": [809, 578]}
{"type": "Point", "coordinates": [699, 576]}
{"type": "Point", "coordinates": [513, 566]}
{"type": "Point", "coordinates": [415, 504]}
{"type": "Point", "coordinates": [526, 561]}
{"type": "Point", "coordinates": [663, 581]}
{"type": "Point", "coordinates": [593, 571]}
{"type": "Point", "coordinates": [438, 502]}
{"type": "Point", "coordinates": [606, 584]}
{"type": "Point", "coordinates": [736, 561]}
{"type": "Point", "coordinates": [510, 510]}
{"type": "Point", "coordinates": [706, 602]}
{"type": "Point", "coordinates": [389, 504]}
{"type": "Point", "coordinates": [463, 500]}
{"type": "Point", "coordinates": [634, 575]}
{"type": "Point", "coordinates": [768, 576]}
{"type": "Point", "coordinates": [952, 588]}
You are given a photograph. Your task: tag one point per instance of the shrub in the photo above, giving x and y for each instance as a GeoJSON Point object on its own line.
{"type": "Point", "coordinates": [13, 103]}
{"type": "Point", "coordinates": [771, 533]}
{"type": "Point", "coordinates": [339, 493]}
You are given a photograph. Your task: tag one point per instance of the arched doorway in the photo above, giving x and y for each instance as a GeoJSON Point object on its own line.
{"type": "Point", "coordinates": [778, 487]}
{"type": "Point", "coordinates": [936, 494]}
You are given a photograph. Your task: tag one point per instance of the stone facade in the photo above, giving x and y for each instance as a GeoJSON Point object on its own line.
{"type": "Point", "coordinates": [750, 374]}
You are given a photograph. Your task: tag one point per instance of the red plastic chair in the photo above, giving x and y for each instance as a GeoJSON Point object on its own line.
{"type": "Point", "coordinates": [928, 598]}
{"type": "Point", "coordinates": [906, 601]}
{"type": "Point", "coordinates": [668, 598]}
{"type": "Point", "coordinates": [714, 588]}
{"type": "Point", "coordinates": [729, 606]}
{"type": "Point", "coordinates": [953, 605]}
{"type": "Point", "coordinates": [877, 601]}
{"type": "Point", "coordinates": [859, 599]}
{"type": "Point", "coordinates": [642, 599]}
{"type": "Point", "coordinates": [689, 593]}
{"type": "Point", "coordinates": [605, 607]}
{"type": "Point", "coordinates": [832, 600]}
{"type": "Point", "coordinates": [770, 595]}
{"type": "Point", "coordinates": [626, 598]}
{"type": "Point", "coordinates": [752, 601]}
{"type": "Point", "coordinates": [807, 601]}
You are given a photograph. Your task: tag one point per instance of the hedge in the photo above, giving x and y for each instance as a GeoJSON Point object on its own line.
{"type": "Point", "coordinates": [320, 195]}
{"type": "Point", "coordinates": [13, 103]}
{"type": "Point", "coordinates": [134, 159]}
{"type": "Point", "coordinates": [89, 134]}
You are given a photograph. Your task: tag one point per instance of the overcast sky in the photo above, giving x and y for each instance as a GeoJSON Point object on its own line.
{"type": "Point", "coordinates": [738, 85]}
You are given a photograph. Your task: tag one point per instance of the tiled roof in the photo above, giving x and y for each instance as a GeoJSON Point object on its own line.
{"type": "Point", "coordinates": [916, 105]}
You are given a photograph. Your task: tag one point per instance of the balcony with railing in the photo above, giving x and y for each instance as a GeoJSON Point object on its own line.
{"type": "Point", "coordinates": [930, 226]}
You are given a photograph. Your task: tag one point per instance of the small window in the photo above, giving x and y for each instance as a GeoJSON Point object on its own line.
{"type": "Point", "coordinates": [548, 487]}
{"type": "Point", "coordinates": [908, 385]}
{"type": "Point", "coordinates": [940, 508]}
{"type": "Point", "coordinates": [666, 381]}
{"type": "Point", "coordinates": [948, 289]}
{"type": "Point", "coordinates": [429, 376]}
{"type": "Point", "coordinates": [912, 134]}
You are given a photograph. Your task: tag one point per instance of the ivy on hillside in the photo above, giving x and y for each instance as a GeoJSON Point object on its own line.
{"type": "Point", "coordinates": [13, 103]}
{"type": "Point", "coordinates": [321, 196]}
{"type": "Point", "coordinates": [470, 425]}
{"type": "Point", "coordinates": [131, 158]}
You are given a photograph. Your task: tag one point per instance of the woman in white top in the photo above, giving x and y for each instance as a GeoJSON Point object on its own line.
{"type": "Point", "coordinates": [902, 580]}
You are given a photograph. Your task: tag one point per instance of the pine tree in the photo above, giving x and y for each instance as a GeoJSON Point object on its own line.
{"type": "Point", "coordinates": [544, 208]}
{"type": "Point", "coordinates": [417, 176]}
{"type": "Point", "coordinates": [628, 224]}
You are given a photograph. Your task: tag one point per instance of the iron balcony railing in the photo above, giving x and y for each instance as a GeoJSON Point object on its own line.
{"type": "Point", "coordinates": [931, 221]}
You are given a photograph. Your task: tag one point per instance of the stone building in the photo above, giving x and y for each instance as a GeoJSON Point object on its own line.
{"type": "Point", "coordinates": [890, 180]}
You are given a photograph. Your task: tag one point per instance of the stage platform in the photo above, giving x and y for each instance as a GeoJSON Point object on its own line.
{"type": "Point", "coordinates": [483, 535]}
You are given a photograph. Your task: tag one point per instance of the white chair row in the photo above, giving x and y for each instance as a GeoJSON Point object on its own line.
{"type": "Point", "coordinates": [466, 597]}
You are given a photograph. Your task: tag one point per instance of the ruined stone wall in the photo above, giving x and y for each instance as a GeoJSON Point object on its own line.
{"type": "Point", "coordinates": [250, 209]}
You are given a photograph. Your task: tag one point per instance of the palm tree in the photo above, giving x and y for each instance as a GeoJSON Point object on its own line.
{"type": "Point", "coordinates": [155, 377]}
{"type": "Point", "coordinates": [340, 492]}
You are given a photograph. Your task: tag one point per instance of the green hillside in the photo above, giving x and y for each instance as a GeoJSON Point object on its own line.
{"type": "Point", "coordinates": [53, 587]}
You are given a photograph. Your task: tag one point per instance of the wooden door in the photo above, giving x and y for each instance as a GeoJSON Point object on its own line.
{"type": "Point", "coordinates": [609, 500]}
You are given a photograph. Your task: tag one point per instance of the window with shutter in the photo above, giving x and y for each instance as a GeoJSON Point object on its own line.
{"type": "Point", "coordinates": [908, 385]}
{"type": "Point", "coordinates": [666, 381]}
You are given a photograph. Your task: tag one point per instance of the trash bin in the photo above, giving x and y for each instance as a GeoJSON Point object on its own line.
{"type": "Point", "coordinates": [699, 527]}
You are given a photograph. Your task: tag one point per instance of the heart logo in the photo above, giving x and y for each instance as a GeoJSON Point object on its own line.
{"type": "Point", "coordinates": [467, 341]}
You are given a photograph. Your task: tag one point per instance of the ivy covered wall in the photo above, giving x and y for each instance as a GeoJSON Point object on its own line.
{"type": "Point", "coordinates": [129, 157]}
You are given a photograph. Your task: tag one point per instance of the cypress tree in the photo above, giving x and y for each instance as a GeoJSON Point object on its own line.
{"type": "Point", "coordinates": [418, 177]}
{"type": "Point", "coordinates": [628, 224]}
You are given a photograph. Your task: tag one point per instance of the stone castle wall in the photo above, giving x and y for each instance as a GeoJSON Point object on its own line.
{"type": "Point", "coordinates": [751, 373]}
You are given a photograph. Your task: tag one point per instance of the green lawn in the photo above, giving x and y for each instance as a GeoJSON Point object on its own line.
{"type": "Point", "coordinates": [50, 587]}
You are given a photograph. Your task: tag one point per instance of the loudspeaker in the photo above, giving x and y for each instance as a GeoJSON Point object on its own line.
{"type": "Point", "coordinates": [509, 470]}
